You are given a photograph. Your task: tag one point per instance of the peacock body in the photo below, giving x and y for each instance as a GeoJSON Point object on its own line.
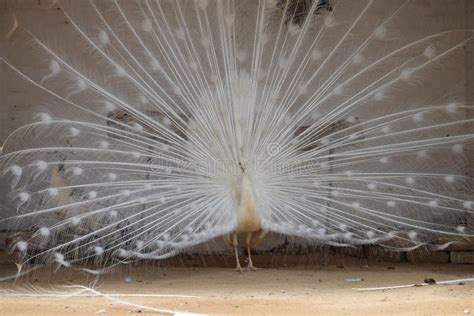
{"type": "Point", "coordinates": [166, 124]}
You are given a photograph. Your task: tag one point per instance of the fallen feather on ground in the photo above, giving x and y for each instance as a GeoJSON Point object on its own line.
{"type": "Point", "coordinates": [455, 281]}
{"type": "Point", "coordinates": [84, 291]}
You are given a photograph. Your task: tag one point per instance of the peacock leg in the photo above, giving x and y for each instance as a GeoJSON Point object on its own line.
{"type": "Point", "coordinates": [235, 243]}
{"type": "Point", "coordinates": [248, 242]}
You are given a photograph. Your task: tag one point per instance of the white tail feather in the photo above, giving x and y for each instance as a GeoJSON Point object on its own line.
{"type": "Point", "coordinates": [334, 113]}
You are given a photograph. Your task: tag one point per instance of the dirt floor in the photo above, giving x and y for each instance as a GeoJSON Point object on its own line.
{"type": "Point", "coordinates": [317, 290]}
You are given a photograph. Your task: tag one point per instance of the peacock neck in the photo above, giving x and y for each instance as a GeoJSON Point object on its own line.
{"type": "Point", "coordinates": [248, 218]}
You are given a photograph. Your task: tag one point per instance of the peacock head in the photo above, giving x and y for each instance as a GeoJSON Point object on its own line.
{"type": "Point", "coordinates": [242, 167]}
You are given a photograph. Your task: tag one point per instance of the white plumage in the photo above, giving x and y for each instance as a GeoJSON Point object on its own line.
{"type": "Point", "coordinates": [169, 123]}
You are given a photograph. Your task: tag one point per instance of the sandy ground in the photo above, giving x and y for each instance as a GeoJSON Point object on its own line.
{"type": "Point", "coordinates": [317, 290]}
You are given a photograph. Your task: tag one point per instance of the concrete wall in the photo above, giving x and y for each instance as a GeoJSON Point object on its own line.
{"type": "Point", "coordinates": [469, 18]}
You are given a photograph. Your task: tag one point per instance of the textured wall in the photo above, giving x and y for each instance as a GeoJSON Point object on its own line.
{"type": "Point", "coordinates": [469, 18]}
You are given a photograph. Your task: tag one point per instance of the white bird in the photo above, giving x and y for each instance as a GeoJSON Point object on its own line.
{"type": "Point", "coordinates": [170, 123]}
